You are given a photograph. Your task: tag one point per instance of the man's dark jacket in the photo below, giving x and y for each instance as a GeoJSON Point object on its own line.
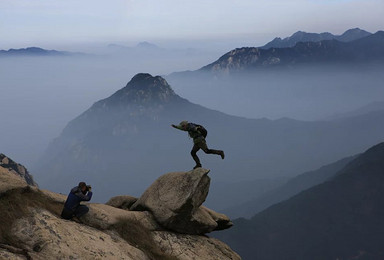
{"type": "Point", "coordinates": [75, 197]}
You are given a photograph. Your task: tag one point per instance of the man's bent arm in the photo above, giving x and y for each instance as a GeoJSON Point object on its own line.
{"type": "Point", "coordinates": [83, 197]}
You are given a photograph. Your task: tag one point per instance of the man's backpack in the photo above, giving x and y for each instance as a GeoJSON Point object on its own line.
{"type": "Point", "coordinates": [202, 130]}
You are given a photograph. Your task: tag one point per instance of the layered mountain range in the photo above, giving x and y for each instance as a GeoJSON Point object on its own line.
{"type": "Point", "coordinates": [35, 51]}
{"type": "Point", "coordinates": [342, 218]}
{"type": "Point", "coordinates": [301, 49]}
{"type": "Point", "coordinates": [124, 140]}
{"type": "Point", "coordinates": [369, 48]}
{"type": "Point", "coordinates": [287, 190]}
{"type": "Point", "coordinates": [300, 36]}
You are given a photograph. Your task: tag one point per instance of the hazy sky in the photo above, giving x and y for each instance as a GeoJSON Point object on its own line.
{"type": "Point", "coordinates": [61, 23]}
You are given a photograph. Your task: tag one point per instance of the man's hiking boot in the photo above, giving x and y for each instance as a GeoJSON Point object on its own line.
{"type": "Point", "coordinates": [197, 166]}
{"type": "Point", "coordinates": [222, 154]}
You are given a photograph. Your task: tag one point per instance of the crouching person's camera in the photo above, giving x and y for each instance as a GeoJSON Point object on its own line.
{"type": "Point", "coordinates": [89, 188]}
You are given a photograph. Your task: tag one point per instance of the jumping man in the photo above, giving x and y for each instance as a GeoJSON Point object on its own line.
{"type": "Point", "coordinates": [198, 133]}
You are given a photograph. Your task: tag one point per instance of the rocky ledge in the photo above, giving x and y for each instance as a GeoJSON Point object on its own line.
{"type": "Point", "coordinates": [167, 222]}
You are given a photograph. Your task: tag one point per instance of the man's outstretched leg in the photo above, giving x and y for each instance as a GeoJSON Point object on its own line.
{"type": "Point", "coordinates": [194, 156]}
{"type": "Point", "coordinates": [204, 147]}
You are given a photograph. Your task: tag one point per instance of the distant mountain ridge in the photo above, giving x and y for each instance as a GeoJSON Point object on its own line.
{"type": "Point", "coordinates": [342, 218]}
{"type": "Point", "coordinates": [35, 51]}
{"type": "Point", "coordinates": [300, 36]}
{"type": "Point", "coordinates": [366, 49]}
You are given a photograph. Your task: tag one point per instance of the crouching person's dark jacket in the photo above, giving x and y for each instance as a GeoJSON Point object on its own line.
{"type": "Point", "coordinates": [72, 205]}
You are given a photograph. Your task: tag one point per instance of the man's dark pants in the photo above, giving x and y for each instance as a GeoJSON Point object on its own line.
{"type": "Point", "coordinates": [202, 144]}
{"type": "Point", "coordinates": [78, 212]}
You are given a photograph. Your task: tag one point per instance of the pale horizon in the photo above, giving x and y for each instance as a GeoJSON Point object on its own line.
{"type": "Point", "coordinates": [73, 25]}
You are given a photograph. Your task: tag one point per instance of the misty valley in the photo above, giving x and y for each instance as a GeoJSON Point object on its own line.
{"type": "Point", "coordinates": [301, 121]}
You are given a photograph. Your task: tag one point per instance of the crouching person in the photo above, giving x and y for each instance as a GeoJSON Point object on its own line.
{"type": "Point", "coordinates": [72, 207]}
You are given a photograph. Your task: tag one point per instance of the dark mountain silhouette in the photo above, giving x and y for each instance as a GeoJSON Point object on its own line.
{"type": "Point", "coordinates": [35, 51]}
{"type": "Point", "coordinates": [342, 218]}
{"type": "Point", "coordinates": [367, 49]}
{"type": "Point", "coordinates": [124, 140]}
{"type": "Point", "coordinates": [349, 35]}
{"type": "Point", "coordinates": [287, 190]}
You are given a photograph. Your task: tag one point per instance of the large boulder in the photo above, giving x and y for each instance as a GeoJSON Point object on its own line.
{"type": "Point", "coordinates": [175, 201]}
{"type": "Point", "coordinates": [122, 201]}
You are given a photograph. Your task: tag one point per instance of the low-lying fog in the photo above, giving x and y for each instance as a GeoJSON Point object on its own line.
{"type": "Point", "coordinates": [40, 95]}
{"type": "Point", "coordinates": [304, 93]}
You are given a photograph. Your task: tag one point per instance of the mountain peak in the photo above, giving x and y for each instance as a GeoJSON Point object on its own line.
{"type": "Point", "coordinates": [145, 89]}
{"type": "Point", "coordinates": [147, 82]}
{"type": "Point", "coordinates": [353, 34]}
{"type": "Point", "coordinates": [298, 33]}
{"type": "Point", "coordinates": [142, 76]}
